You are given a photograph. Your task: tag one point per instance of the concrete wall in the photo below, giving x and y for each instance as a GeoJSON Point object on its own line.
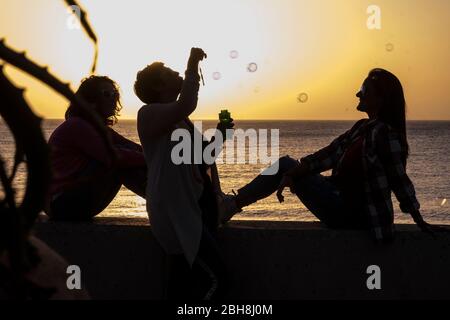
{"type": "Point", "coordinates": [120, 259]}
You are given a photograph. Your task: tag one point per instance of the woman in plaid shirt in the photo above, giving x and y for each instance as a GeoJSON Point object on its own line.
{"type": "Point", "coordinates": [368, 162]}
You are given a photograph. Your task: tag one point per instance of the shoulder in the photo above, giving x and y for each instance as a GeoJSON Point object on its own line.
{"type": "Point", "coordinates": [150, 113]}
{"type": "Point", "coordinates": [358, 124]}
{"type": "Point", "coordinates": [145, 118]}
{"type": "Point", "coordinates": [385, 138]}
{"type": "Point", "coordinates": [75, 122]}
{"type": "Point", "coordinates": [381, 129]}
{"type": "Point", "coordinates": [75, 127]}
{"type": "Point", "coordinates": [145, 111]}
{"type": "Point", "coordinates": [144, 108]}
{"type": "Point", "coordinates": [67, 127]}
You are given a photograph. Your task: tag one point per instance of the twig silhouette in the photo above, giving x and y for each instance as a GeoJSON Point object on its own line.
{"type": "Point", "coordinates": [87, 28]}
{"type": "Point", "coordinates": [17, 220]}
{"type": "Point", "coordinates": [19, 60]}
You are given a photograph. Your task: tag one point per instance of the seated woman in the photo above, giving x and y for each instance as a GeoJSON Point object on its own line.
{"type": "Point", "coordinates": [84, 180]}
{"type": "Point", "coordinates": [368, 162]}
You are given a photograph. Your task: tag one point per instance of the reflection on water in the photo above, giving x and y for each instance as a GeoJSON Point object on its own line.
{"type": "Point", "coordinates": [428, 167]}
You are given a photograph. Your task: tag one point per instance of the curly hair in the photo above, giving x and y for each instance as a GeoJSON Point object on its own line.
{"type": "Point", "coordinates": [146, 80]}
{"type": "Point", "coordinates": [89, 90]}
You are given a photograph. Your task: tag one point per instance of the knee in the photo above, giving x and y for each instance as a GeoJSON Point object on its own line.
{"type": "Point", "coordinates": [286, 163]}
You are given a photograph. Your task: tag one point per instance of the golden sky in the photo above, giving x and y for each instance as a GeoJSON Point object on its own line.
{"type": "Point", "coordinates": [319, 47]}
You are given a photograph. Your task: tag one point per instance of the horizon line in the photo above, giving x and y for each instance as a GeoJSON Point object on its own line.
{"type": "Point", "coordinates": [214, 119]}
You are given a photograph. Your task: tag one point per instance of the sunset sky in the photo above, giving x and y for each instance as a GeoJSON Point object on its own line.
{"type": "Point", "coordinates": [319, 47]}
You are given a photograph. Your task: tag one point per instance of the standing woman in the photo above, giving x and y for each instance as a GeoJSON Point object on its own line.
{"type": "Point", "coordinates": [181, 197]}
{"type": "Point", "coordinates": [368, 163]}
{"type": "Point", "coordinates": [84, 178]}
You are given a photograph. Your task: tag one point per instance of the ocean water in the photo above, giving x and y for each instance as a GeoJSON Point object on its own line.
{"type": "Point", "coordinates": [428, 167]}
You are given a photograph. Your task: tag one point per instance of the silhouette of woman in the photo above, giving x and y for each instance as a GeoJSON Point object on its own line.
{"type": "Point", "coordinates": [84, 181]}
{"type": "Point", "coordinates": [182, 199]}
{"type": "Point", "coordinates": [368, 162]}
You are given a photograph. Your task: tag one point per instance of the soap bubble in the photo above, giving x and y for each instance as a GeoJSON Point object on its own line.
{"type": "Point", "coordinates": [216, 76]}
{"type": "Point", "coordinates": [234, 54]}
{"type": "Point", "coordinates": [302, 97]}
{"type": "Point", "coordinates": [252, 67]}
{"type": "Point", "coordinates": [389, 47]}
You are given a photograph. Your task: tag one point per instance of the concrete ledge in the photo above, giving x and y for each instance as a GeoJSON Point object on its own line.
{"type": "Point", "coordinates": [120, 259]}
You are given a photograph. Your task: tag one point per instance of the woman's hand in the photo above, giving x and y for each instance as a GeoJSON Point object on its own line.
{"type": "Point", "coordinates": [286, 182]}
{"type": "Point", "coordinates": [426, 227]}
{"type": "Point", "coordinates": [223, 126]}
{"type": "Point", "coordinates": [430, 229]}
{"type": "Point", "coordinates": [196, 56]}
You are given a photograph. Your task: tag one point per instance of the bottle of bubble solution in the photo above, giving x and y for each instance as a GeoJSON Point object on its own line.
{"type": "Point", "coordinates": [225, 117]}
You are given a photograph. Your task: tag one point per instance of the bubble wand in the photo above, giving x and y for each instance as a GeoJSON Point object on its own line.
{"type": "Point", "coordinates": [201, 76]}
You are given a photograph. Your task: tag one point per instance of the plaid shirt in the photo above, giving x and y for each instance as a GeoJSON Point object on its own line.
{"type": "Point", "coordinates": [384, 172]}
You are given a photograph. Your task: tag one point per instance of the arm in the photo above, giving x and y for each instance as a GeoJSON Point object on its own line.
{"type": "Point", "coordinates": [218, 139]}
{"type": "Point", "coordinates": [320, 161]}
{"type": "Point", "coordinates": [83, 136]}
{"type": "Point", "coordinates": [390, 153]}
{"type": "Point", "coordinates": [389, 150]}
{"type": "Point", "coordinates": [159, 118]}
{"type": "Point", "coordinates": [120, 140]}
{"type": "Point", "coordinates": [215, 179]}
{"type": "Point", "coordinates": [326, 158]}
{"type": "Point", "coordinates": [130, 154]}
{"type": "Point", "coordinates": [425, 226]}
{"type": "Point", "coordinates": [299, 171]}
{"type": "Point", "coordinates": [287, 181]}
{"type": "Point", "coordinates": [87, 140]}
{"type": "Point", "coordinates": [130, 158]}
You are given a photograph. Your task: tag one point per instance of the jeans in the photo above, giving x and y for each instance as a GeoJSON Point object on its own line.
{"type": "Point", "coordinates": [318, 193]}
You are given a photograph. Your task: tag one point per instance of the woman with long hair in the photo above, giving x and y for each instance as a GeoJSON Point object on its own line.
{"type": "Point", "coordinates": [85, 178]}
{"type": "Point", "coordinates": [368, 162]}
